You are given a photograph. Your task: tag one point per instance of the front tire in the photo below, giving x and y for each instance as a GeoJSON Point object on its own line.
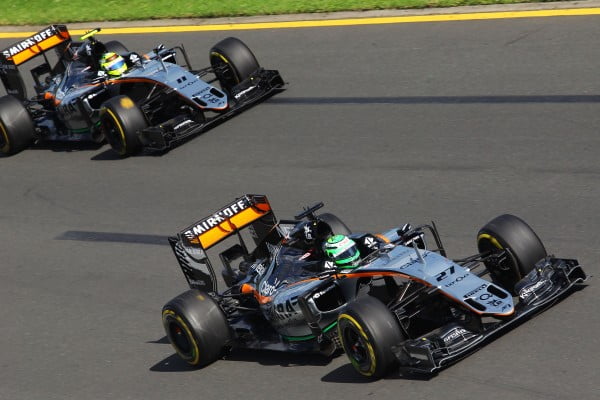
{"type": "Point", "coordinates": [16, 126]}
{"type": "Point", "coordinates": [368, 330]}
{"type": "Point", "coordinates": [121, 121]}
{"type": "Point", "coordinates": [523, 247]}
{"type": "Point", "coordinates": [196, 327]}
{"type": "Point", "coordinates": [232, 62]}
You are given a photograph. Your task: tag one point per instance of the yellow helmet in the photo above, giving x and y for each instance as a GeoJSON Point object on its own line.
{"type": "Point", "coordinates": [113, 64]}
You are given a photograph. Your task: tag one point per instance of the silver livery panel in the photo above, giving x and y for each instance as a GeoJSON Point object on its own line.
{"type": "Point", "coordinates": [479, 295]}
{"type": "Point", "coordinates": [184, 82]}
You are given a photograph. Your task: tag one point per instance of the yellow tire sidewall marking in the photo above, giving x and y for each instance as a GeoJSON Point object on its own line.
{"type": "Point", "coordinates": [121, 131]}
{"type": "Point", "coordinates": [354, 322]}
{"type": "Point", "coordinates": [192, 340]}
{"type": "Point", "coordinates": [219, 55]}
{"type": "Point", "coordinates": [492, 240]}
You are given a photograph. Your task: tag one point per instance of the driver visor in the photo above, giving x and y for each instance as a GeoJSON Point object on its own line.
{"type": "Point", "coordinates": [347, 256]}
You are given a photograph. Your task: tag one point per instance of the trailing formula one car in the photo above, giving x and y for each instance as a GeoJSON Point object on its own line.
{"type": "Point", "coordinates": [96, 90]}
{"type": "Point", "coordinates": [399, 303]}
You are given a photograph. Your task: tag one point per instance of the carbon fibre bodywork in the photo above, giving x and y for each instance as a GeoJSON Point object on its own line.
{"type": "Point", "coordinates": [176, 100]}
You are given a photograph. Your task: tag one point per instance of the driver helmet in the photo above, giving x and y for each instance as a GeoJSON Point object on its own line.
{"type": "Point", "coordinates": [113, 64]}
{"type": "Point", "coordinates": [342, 251]}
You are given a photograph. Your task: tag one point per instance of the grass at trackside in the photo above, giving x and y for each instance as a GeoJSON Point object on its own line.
{"type": "Point", "coordinates": [41, 12]}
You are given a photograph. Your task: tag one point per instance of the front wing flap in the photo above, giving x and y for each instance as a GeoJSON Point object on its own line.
{"type": "Point", "coordinates": [551, 279]}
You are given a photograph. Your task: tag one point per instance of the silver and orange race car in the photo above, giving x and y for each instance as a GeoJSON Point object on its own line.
{"type": "Point", "coordinates": [155, 104]}
{"type": "Point", "coordinates": [405, 303]}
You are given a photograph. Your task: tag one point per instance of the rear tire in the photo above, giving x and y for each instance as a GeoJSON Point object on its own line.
{"type": "Point", "coordinates": [196, 327]}
{"type": "Point", "coordinates": [367, 331]}
{"type": "Point", "coordinates": [121, 121]}
{"type": "Point", "coordinates": [16, 126]}
{"type": "Point", "coordinates": [337, 226]}
{"type": "Point", "coordinates": [232, 62]}
{"type": "Point", "coordinates": [114, 46]}
{"type": "Point", "coordinates": [524, 248]}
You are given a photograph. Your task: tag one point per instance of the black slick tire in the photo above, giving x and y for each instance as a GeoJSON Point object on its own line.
{"type": "Point", "coordinates": [367, 331]}
{"type": "Point", "coordinates": [114, 46]}
{"type": "Point", "coordinates": [121, 120]}
{"type": "Point", "coordinates": [196, 327]}
{"type": "Point", "coordinates": [338, 227]}
{"type": "Point", "coordinates": [524, 248]}
{"type": "Point", "coordinates": [16, 126]}
{"type": "Point", "coordinates": [232, 62]}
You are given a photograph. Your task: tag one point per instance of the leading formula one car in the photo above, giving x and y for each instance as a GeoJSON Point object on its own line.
{"type": "Point", "coordinates": [155, 104]}
{"type": "Point", "coordinates": [404, 304]}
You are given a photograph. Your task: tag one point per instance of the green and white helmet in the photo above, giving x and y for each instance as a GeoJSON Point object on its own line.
{"type": "Point", "coordinates": [342, 251]}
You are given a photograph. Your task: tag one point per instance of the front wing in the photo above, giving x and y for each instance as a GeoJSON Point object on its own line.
{"type": "Point", "coordinates": [261, 85]}
{"type": "Point", "coordinates": [548, 282]}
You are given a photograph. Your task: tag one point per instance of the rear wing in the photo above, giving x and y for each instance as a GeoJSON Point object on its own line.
{"type": "Point", "coordinates": [227, 221]}
{"type": "Point", "coordinates": [26, 49]}
{"type": "Point", "coordinates": [36, 44]}
{"type": "Point", "coordinates": [251, 211]}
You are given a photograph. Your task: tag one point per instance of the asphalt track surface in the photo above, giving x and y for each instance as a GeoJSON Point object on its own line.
{"type": "Point", "coordinates": [451, 121]}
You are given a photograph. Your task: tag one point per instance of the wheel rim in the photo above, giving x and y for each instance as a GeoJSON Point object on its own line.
{"type": "Point", "coordinates": [179, 339]}
{"type": "Point", "coordinates": [357, 346]}
{"type": "Point", "coordinates": [507, 271]}
{"type": "Point", "coordinates": [224, 70]}
{"type": "Point", "coordinates": [114, 133]}
{"type": "Point", "coordinates": [357, 349]}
